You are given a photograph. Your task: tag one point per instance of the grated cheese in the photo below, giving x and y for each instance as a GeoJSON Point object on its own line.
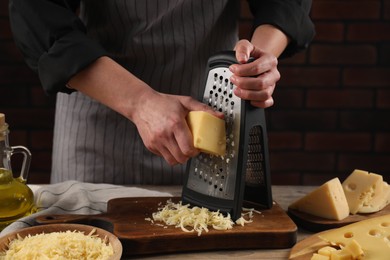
{"type": "Point", "coordinates": [196, 219]}
{"type": "Point", "coordinates": [58, 245]}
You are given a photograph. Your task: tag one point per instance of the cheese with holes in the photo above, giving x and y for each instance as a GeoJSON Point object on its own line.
{"type": "Point", "coordinates": [378, 201]}
{"type": "Point", "coordinates": [371, 234]}
{"type": "Point", "coordinates": [327, 201]}
{"type": "Point", "coordinates": [208, 131]}
{"type": "Point", "coordinates": [361, 188]}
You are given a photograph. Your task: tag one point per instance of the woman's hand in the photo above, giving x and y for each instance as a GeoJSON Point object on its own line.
{"type": "Point", "coordinates": [161, 123]}
{"type": "Point", "coordinates": [255, 80]}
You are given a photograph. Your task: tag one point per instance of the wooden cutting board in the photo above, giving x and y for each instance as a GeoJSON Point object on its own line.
{"type": "Point", "coordinates": [305, 248]}
{"type": "Point", "coordinates": [125, 218]}
{"type": "Point", "coordinates": [316, 224]}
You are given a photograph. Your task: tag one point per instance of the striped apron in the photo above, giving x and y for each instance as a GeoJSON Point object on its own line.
{"type": "Point", "coordinates": [165, 43]}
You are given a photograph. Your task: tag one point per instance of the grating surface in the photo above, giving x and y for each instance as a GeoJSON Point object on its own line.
{"type": "Point", "coordinates": [213, 175]}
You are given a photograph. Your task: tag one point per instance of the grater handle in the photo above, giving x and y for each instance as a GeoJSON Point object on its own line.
{"type": "Point", "coordinates": [254, 117]}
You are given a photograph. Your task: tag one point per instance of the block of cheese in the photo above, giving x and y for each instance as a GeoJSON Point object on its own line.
{"type": "Point", "coordinates": [371, 234]}
{"type": "Point", "coordinates": [378, 201]}
{"type": "Point", "coordinates": [361, 188]}
{"type": "Point", "coordinates": [350, 251]}
{"type": "Point", "coordinates": [327, 250]}
{"type": "Point", "coordinates": [208, 131]}
{"type": "Point", "coordinates": [354, 249]}
{"type": "Point", "coordinates": [327, 201]}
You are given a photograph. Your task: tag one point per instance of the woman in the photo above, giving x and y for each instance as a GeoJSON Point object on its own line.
{"type": "Point", "coordinates": [126, 73]}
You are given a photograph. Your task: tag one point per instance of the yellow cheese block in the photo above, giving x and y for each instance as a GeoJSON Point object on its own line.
{"type": "Point", "coordinates": [208, 132]}
{"type": "Point", "coordinates": [327, 201]}
{"type": "Point", "coordinates": [371, 234]}
{"type": "Point", "coordinates": [326, 251]}
{"type": "Point", "coordinates": [354, 249]}
{"type": "Point", "coordinates": [349, 252]}
{"type": "Point", "coordinates": [360, 188]}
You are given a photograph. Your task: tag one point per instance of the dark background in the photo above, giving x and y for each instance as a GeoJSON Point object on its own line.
{"type": "Point", "coordinates": [332, 105]}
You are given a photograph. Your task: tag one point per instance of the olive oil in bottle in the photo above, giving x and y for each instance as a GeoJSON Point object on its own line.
{"type": "Point", "coordinates": [16, 198]}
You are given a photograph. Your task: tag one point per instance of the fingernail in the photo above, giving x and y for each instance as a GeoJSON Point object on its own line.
{"type": "Point", "coordinates": [232, 68]}
{"type": "Point", "coordinates": [233, 79]}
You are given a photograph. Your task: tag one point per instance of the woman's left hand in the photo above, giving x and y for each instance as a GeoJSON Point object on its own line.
{"type": "Point", "coordinates": [255, 80]}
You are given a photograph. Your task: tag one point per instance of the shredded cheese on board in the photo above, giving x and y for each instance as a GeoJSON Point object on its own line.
{"type": "Point", "coordinates": [58, 245]}
{"type": "Point", "coordinates": [196, 219]}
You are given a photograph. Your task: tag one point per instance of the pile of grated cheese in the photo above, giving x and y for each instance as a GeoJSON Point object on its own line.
{"type": "Point", "coordinates": [196, 219]}
{"type": "Point", "coordinates": [58, 245]}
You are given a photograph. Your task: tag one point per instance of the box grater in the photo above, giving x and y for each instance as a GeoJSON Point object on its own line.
{"type": "Point", "coordinates": [223, 182]}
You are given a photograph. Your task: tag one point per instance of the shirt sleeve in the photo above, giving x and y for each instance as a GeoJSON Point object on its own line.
{"type": "Point", "coordinates": [290, 16]}
{"type": "Point", "coordinates": [53, 40]}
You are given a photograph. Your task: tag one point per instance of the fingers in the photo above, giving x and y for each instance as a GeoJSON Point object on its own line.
{"type": "Point", "coordinates": [259, 66]}
{"type": "Point", "coordinates": [174, 144]}
{"type": "Point", "coordinates": [243, 51]}
{"type": "Point", "coordinates": [255, 81]}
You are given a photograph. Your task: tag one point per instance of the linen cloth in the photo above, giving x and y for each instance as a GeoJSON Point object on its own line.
{"type": "Point", "coordinates": [73, 197]}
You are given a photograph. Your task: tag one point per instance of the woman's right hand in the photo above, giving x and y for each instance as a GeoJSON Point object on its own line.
{"type": "Point", "coordinates": [161, 123]}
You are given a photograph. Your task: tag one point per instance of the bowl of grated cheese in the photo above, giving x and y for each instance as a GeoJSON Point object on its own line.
{"type": "Point", "coordinates": [60, 241]}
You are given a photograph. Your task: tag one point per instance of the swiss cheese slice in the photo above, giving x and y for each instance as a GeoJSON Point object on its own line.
{"type": "Point", "coordinates": [361, 188]}
{"type": "Point", "coordinates": [208, 132]}
{"type": "Point", "coordinates": [327, 201]}
{"type": "Point", "coordinates": [371, 234]}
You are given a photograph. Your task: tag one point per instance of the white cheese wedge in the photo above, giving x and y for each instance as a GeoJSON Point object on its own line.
{"type": "Point", "coordinates": [371, 234]}
{"type": "Point", "coordinates": [208, 131]}
{"type": "Point", "coordinates": [327, 201]}
{"type": "Point", "coordinates": [360, 188]}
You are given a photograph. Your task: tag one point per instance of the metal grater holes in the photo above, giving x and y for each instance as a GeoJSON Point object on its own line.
{"type": "Point", "coordinates": [216, 175]}
{"type": "Point", "coordinates": [255, 162]}
{"type": "Point", "coordinates": [220, 99]}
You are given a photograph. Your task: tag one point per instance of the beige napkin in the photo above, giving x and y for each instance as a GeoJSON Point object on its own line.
{"type": "Point", "coordinates": [72, 197]}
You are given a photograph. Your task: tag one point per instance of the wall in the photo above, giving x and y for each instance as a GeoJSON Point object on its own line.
{"type": "Point", "coordinates": [332, 105]}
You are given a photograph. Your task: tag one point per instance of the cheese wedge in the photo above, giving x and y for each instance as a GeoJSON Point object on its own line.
{"type": "Point", "coordinates": [208, 131]}
{"type": "Point", "coordinates": [327, 201]}
{"type": "Point", "coordinates": [371, 234]}
{"type": "Point", "coordinates": [361, 188]}
{"type": "Point", "coordinates": [378, 201]}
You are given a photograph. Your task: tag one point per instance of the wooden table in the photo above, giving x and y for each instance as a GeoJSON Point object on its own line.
{"type": "Point", "coordinates": [283, 195]}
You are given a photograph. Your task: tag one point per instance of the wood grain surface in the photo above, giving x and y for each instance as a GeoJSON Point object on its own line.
{"type": "Point", "coordinates": [125, 218]}
{"type": "Point", "coordinates": [305, 248]}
